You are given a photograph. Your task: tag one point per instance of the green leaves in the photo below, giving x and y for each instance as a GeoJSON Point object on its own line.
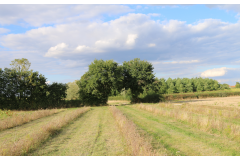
{"type": "Point", "coordinates": [97, 84]}
{"type": "Point", "coordinates": [137, 75]}
{"type": "Point", "coordinates": [21, 65]}
{"type": "Point", "coordinates": [105, 78]}
{"type": "Point", "coordinates": [23, 89]}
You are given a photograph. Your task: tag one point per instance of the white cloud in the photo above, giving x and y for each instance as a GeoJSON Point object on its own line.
{"type": "Point", "coordinates": [47, 82]}
{"type": "Point", "coordinates": [179, 47]}
{"type": "Point", "coordinates": [175, 62]}
{"type": "Point", "coordinates": [110, 43]}
{"type": "Point", "coordinates": [37, 15]}
{"type": "Point", "coordinates": [214, 72]}
{"type": "Point", "coordinates": [227, 7]}
{"type": "Point", "coordinates": [131, 39]}
{"type": "Point", "coordinates": [82, 48]}
{"type": "Point", "coordinates": [4, 30]}
{"type": "Point", "coordinates": [57, 50]}
{"type": "Point", "coordinates": [151, 45]}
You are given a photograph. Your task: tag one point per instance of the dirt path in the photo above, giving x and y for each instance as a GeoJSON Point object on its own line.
{"type": "Point", "coordinates": [93, 134]}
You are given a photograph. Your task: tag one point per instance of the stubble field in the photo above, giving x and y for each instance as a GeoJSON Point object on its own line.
{"type": "Point", "coordinates": [201, 127]}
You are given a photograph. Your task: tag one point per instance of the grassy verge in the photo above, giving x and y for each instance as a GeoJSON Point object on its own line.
{"type": "Point", "coordinates": [138, 145]}
{"type": "Point", "coordinates": [173, 137]}
{"type": "Point", "coordinates": [15, 119]}
{"type": "Point", "coordinates": [33, 140]}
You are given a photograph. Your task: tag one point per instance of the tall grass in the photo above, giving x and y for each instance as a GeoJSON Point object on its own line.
{"type": "Point", "coordinates": [137, 145]}
{"type": "Point", "coordinates": [205, 94]}
{"type": "Point", "coordinates": [33, 140]}
{"type": "Point", "coordinates": [210, 122]}
{"type": "Point", "coordinates": [19, 119]}
{"type": "Point", "coordinates": [213, 111]}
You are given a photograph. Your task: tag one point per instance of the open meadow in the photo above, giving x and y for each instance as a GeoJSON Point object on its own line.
{"type": "Point", "coordinates": [196, 127]}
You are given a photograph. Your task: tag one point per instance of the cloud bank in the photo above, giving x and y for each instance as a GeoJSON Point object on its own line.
{"type": "Point", "coordinates": [175, 48]}
{"type": "Point", "coordinates": [214, 72]}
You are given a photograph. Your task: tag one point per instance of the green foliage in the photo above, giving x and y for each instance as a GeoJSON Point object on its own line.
{"type": "Point", "coordinates": [56, 92]}
{"type": "Point", "coordinates": [20, 65]}
{"type": "Point", "coordinates": [186, 85]}
{"type": "Point", "coordinates": [237, 85]}
{"type": "Point", "coordinates": [224, 86]}
{"type": "Point", "coordinates": [72, 91]}
{"type": "Point", "coordinates": [97, 84]}
{"type": "Point", "coordinates": [150, 96]}
{"type": "Point", "coordinates": [21, 89]}
{"type": "Point", "coordinates": [137, 75]}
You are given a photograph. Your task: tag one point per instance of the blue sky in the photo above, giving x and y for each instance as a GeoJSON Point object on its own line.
{"type": "Point", "coordinates": [179, 40]}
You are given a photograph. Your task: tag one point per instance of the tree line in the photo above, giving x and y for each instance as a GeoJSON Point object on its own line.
{"type": "Point", "coordinates": [135, 79]}
{"type": "Point", "coordinates": [21, 88]}
{"type": "Point", "coordinates": [186, 85]}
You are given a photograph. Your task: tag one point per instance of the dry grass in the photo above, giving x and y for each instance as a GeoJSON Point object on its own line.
{"type": "Point", "coordinates": [216, 111]}
{"type": "Point", "coordinates": [227, 102]}
{"type": "Point", "coordinates": [19, 119]}
{"type": "Point", "coordinates": [209, 122]}
{"type": "Point", "coordinates": [31, 141]}
{"type": "Point", "coordinates": [138, 145]}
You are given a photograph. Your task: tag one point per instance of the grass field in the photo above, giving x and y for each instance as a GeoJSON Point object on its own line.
{"type": "Point", "coordinates": [209, 127]}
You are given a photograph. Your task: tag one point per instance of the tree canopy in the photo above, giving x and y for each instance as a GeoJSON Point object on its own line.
{"type": "Point", "coordinates": [23, 89]}
{"type": "Point", "coordinates": [137, 75]}
{"type": "Point", "coordinates": [98, 82]}
{"type": "Point", "coordinates": [105, 78]}
{"type": "Point", "coordinates": [20, 65]}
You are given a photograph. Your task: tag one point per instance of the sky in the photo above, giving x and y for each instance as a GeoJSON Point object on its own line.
{"type": "Point", "coordinates": [180, 40]}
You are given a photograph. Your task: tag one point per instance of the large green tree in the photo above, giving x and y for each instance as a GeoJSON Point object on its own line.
{"type": "Point", "coordinates": [98, 82]}
{"type": "Point", "coordinates": [137, 75]}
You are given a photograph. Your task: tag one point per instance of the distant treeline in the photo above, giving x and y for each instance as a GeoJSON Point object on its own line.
{"type": "Point", "coordinates": [186, 85]}
{"type": "Point", "coordinates": [178, 85]}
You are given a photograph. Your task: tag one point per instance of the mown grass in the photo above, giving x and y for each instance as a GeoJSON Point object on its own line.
{"type": "Point", "coordinates": [93, 134]}
{"type": "Point", "coordinates": [174, 137]}
{"type": "Point", "coordinates": [141, 129]}
{"type": "Point", "coordinates": [211, 123]}
{"type": "Point", "coordinates": [16, 118]}
{"type": "Point", "coordinates": [138, 145]}
{"type": "Point", "coordinates": [25, 143]}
